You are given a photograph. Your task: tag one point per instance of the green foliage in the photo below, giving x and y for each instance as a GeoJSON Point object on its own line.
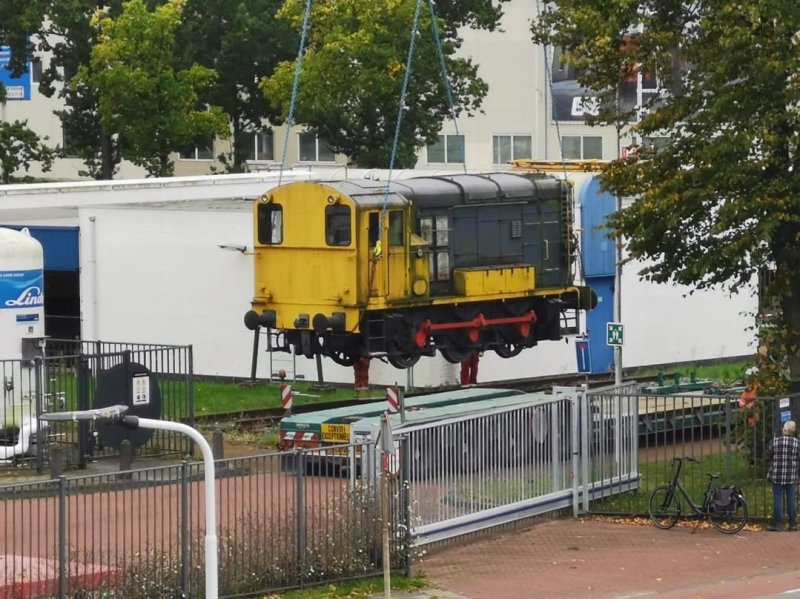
{"type": "Point", "coordinates": [353, 71]}
{"type": "Point", "coordinates": [362, 589]}
{"type": "Point", "coordinates": [258, 552]}
{"type": "Point", "coordinates": [722, 200]}
{"type": "Point", "coordinates": [217, 34]}
{"type": "Point", "coordinates": [756, 416]}
{"type": "Point", "coordinates": [61, 29]}
{"type": "Point", "coordinates": [19, 147]}
{"type": "Point", "coordinates": [152, 106]}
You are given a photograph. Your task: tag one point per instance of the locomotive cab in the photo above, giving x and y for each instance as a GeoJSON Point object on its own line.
{"type": "Point", "coordinates": [324, 254]}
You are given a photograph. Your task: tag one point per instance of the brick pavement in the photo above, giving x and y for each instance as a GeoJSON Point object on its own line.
{"type": "Point", "coordinates": [596, 558]}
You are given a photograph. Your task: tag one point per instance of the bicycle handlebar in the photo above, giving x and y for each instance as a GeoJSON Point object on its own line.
{"type": "Point", "coordinates": [677, 460]}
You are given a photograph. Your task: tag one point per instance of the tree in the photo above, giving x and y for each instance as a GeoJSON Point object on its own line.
{"type": "Point", "coordinates": [353, 71]}
{"type": "Point", "coordinates": [69, 38]}
{"type": "Point", "coordinates": [243, 42]}
{"type": "Point", "coordinates": [722, 200]}
{"type": "Point", "coordinates": [61, 30]}
{"type": "Point", "coordinates": [19, 147]}
{"type": "Point", "coordinates": [153, 107]}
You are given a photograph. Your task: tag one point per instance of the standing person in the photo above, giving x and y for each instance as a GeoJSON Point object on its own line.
{"type": "Point", "coordinates": [784, 455]}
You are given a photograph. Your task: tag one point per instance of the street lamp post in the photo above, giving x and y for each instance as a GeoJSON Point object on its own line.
{"type": "Point", "coordinates": [116, 415]}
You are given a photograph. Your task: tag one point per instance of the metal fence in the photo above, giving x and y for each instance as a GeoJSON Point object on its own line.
{"type": "Point", "coordinates": [79, 375]}
{"type": "Point", "coordinates": [296, 519]}
{"type": "Point", "coordinates": [482, 469]}
{"type": "Point", "coordinates": [139, 534]}
{"type": "Point", "coordinates": [726, 432]}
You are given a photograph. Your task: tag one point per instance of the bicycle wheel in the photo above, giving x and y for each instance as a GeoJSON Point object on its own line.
{"type": "Point", "coordinates": [664, 507]}
{"type": "Point", "coordinates": [730, 522]}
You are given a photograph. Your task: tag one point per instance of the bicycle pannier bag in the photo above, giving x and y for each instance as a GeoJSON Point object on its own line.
{"type": "Point", "coordinates": [726, 499]}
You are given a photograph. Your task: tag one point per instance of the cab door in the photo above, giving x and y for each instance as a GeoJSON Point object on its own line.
{"type": "Point", "coordinates": [377, 264]}
{"type": "Point", "coordinates": [388, 264]}
{"type": "Point", "coordinates": [397, 255]}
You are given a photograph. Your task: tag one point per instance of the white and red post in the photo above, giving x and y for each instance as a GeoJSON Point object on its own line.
{"type": "Point", "coordinates": [286, 398]}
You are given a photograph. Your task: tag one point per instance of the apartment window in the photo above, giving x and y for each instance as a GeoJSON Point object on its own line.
{"type": "Point", "coordinates": [448, 148]}
{"type": "Point", "coordinates": [656, 144]}
{"type": "Point", "coordinates": [506, 148]}
{"type": "Point", "coordinates": [36, 69]}
{"type": "Point", "coordinates": [257, 146]}
{"type": "Point", "coordinates": [314, 149]}
{"type": "Point", "coordinates": [202, 150]}
{"type": "Point", "coordinates": [582, 147]}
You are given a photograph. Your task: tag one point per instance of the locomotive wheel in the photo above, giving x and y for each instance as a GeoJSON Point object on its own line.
{"type": "Point", "coordinates": [515, 308]}
{"type": "Point", "coordinates": [466, 311]}
{"type": "Point", "coordinates": [456, 355]}
{"type": "Point", "coordinates": [343, 358]}
{"type": "Point", "coordinates": [403, 360]}
{"type": "Point", "coordinates": [508, 350]}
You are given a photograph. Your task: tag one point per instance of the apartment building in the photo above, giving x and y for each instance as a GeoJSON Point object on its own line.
{"type": "Point", "coordinates": [533, 110]}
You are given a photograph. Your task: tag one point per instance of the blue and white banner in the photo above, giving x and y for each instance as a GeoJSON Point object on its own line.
{"type": "Point", "coordinates": [21, 289]}
{"type": "Point", "coordinates": [17, 88]}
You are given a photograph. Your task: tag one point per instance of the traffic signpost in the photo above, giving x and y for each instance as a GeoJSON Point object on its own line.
{"type": "Point", "coordinates": [583, 355]}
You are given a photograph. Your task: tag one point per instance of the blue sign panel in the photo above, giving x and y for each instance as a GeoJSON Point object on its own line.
{"type": "Point", "coordinates": [60, 246]}
{"type": "Point", "coordinates": [17, 88]}
{"type": "Point", "coordinates": [21, 289]}
{"type": "Point", "coordinates": [786, 415]}
{"type": "Point", "coordinates": [27, 318]}
{"type": "Point", "coordinates": [584, 356]}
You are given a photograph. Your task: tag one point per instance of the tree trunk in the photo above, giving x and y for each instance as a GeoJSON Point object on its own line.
{"type": "Point", "coordinates": [790, 305]}
{"type": "Point", "coordinates": [106, 157]}
{"type": "Point", "coordinates": [784, 244]}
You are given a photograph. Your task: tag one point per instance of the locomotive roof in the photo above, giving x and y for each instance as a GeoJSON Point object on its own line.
{"type": "Point", "coordinates": [450, 190]}
{"type": "Point", "coordinates": [453, 190]}
{"type": "Point", "coordinates": [368, 193]}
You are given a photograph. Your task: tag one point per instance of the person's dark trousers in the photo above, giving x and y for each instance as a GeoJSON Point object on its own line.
{"type": "Point", "coordinates": [779, 492]}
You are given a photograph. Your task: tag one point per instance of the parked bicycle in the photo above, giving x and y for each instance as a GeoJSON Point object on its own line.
{"type": "Point", "coordinates": [724, 507]}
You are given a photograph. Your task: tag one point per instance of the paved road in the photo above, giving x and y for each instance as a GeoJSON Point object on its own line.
{"type": "Point", "coordinates": [600, 559]}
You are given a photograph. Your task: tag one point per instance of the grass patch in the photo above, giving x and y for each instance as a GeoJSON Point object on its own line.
{"type": "Point", "coordinates": [212, 397]}
{"type": "Point", "coordinates": [360, 589]}
{"type": "Point", "coordinates": [724, 373]}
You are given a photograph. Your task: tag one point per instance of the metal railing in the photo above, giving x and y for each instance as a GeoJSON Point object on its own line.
{"type": "Point", "coordinates": [81, 375]}
{"type": "Point", "coordinates": [138, 534]}
{"type": "Point", "coordinates": [726, 432]}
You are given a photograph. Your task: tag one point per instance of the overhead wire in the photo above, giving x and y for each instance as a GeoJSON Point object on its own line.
{"type": "Point", "coordinates": [376, 254]}
{"type": "Point", "coordinates": [446, 78]}
{"type": "Point", "coordinates": [298, 67]}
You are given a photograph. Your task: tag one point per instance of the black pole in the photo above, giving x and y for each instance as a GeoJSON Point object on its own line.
{"type": "Point", "coordinates": [254, 363]}
{"type": "Point", "coordinates": [85, 445]}
{"type": "Point", "coordinates": [320, 380]}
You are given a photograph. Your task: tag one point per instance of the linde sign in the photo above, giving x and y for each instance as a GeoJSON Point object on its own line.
{"type": "Point", "coordinates": [21, 289]}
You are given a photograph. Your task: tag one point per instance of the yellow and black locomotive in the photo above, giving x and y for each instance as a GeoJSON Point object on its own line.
{"type": "Point", "coordinates": [458, 264]}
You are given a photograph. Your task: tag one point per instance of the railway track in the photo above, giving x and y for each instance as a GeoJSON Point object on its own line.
{"type": "Point", "coordinates": [252, 420]}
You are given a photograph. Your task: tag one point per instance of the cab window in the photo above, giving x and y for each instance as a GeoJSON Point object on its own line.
{"type": "Point", "coordinates": [337, 225]}
{"type": "Point", "coordinates": [396, 228]}
{"type": "Point", "coordinates": [374, 228]}
{"type": "Point", "coordinates": [435, 230]}
{"type": "Point", "coordinates": [270, 224]}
